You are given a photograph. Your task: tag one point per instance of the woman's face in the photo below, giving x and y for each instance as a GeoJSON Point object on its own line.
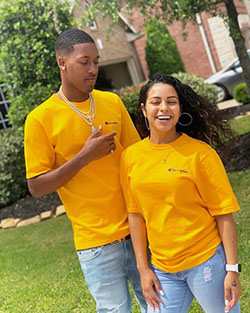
{"type": "Point", "coordinates": [162, 110]}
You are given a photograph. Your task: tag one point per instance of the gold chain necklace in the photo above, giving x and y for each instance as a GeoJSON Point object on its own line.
{"type": "Point", "coordinates": [162, 159]}
{"type": "Point", "coordinates": [89, 119]}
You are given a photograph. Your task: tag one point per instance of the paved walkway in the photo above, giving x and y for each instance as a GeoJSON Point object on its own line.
{"type": "Point", "coordinates": [228, 104]}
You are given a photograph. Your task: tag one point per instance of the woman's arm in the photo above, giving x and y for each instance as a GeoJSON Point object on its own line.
{"type": "Point", "coordinates": [148, 278]}
{"type": "Point", "coordinates": [228, 236]}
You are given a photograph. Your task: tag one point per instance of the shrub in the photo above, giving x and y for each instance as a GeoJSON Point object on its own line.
{"type": "Point", "coordinates": [28, 32]}
{"type": "Point", "coordinates": [12, 167]}
{"type": "Point", "coordinates": [203, 89]}
{"type": "Point", "coordinates": [240, 93]}
{"type": "Point", "coordinates": [162, 54]}
{"type": "Point", "coordinates": [130, 97]}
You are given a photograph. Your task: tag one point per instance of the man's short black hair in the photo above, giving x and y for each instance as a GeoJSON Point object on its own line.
{"type": "Point", "coordinates": [66, 40]}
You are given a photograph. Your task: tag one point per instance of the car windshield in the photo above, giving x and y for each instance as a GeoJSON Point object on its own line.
{"type": "Point", "coordinates": [236, 64]}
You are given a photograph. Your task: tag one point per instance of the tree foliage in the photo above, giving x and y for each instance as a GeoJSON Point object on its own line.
{"type": "Point", "coordinates": [162, 54]}
{"type": "Point", "coordinates": [28, 32]}
{"type": "Point", "coordinates": [183, 11]}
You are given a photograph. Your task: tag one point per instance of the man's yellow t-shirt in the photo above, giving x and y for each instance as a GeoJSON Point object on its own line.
{"type": "Point", "coordinates": [93, 198]}
{"type": "Point", "coordinates": [178, 188]}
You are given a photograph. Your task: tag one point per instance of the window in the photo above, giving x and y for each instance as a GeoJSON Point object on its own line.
{"type": "Point", "coordinates": [92, 24]}
{"type": "Point", "coordinates": [237, 63]}
{"type": "Point", "coordinates": [4, 108]}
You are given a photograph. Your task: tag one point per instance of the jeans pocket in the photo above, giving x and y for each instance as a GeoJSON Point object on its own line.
{"type": "Point", "coordinates": [89, 254]}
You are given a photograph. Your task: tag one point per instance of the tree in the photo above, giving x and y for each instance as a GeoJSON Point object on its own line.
{"type": "Point", "coordinates": [184, 11]}
{"type": "Point", "coordinates": [162, 54]}
{"type": "Point", "coordinates": [28, 32]}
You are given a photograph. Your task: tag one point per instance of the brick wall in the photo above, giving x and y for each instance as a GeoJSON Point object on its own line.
{"type": "Point", "coordinates": [192, 50]}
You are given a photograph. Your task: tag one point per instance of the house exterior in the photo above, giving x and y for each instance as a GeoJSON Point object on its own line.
{"type": "Point", "coordinates": [119, 64]}
{"type": "Point", "coordinates": [208, 46]}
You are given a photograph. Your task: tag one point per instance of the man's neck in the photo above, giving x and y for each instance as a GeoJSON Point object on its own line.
{"type": "Point", "coordinates": [73, 94]}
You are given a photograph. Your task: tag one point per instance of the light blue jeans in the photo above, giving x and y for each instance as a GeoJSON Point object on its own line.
{"type": "Point", "coordinates": [205, 282]}
{"type": "Point", "coordinates": [107, 270]}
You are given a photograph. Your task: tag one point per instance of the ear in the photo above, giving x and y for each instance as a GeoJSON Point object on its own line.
{"type": "Point", "coordinates": [143, 108]}
{"type": "Point", "coordinates": [61, 62]}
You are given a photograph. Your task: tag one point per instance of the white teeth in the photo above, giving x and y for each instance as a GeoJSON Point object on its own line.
{"type": "Point", "coordinates": [163, 117]}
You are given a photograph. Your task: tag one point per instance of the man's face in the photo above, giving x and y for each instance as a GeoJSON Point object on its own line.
{"type": "Point", "coordinates": [81, 67]}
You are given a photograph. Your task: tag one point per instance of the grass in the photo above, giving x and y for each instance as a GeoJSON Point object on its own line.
{"type": "Point", "coordinates": [241, 125]}
{"type": "Point", "coordinates": [40, 272]}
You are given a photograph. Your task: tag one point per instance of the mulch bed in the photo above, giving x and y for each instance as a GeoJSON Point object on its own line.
{"type": "Point", "coordinates": [30, 206]}
{"type": "Point", "coordinates": [235, 156]}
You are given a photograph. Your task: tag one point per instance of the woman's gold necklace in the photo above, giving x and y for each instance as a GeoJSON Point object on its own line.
{"type": "Point", "coordinates": [89, 119]}
{"type": "Point", "coordinates": [167, 155]}
{"type": "Point", "coordinates": [165, 158]}
{"type": "Point", "coordinates": [160, 158]}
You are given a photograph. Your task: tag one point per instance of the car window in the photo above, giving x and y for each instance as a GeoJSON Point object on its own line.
{"type": "Point", "coordinates": [236, 64]}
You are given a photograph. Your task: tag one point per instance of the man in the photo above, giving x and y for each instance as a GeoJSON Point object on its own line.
{"type": "Point", "coordinates": [73, 143]}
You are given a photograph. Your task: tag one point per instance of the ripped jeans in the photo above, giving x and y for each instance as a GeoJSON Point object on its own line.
{"type": "Point", "coordinates": [205, 282]}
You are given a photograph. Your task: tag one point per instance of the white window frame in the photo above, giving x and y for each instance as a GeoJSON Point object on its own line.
{"type": "Point", "coordinates": [93, 24]}
{"type": "Point", "coordinates": [4, 105]}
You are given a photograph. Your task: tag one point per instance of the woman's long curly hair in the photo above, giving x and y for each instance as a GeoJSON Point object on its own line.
{"type": "Point", "coordinates": [207, 124]}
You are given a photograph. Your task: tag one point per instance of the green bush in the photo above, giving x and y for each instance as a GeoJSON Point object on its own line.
{"type": "Point", "coordinates": [240, 93]}
{"type": "Point", "coordinates": [203, 89]}
{"type": "Point", "coordinates": [12, 167]}
{"type": "Point", "coordinates": [28, 32]}
{"type": "Point", "coordinates": [130, 97]}
{"type": "Point", "coordinates": [162, 54]}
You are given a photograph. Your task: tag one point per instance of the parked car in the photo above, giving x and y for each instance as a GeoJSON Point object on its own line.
{"type": "Point", "coordinates": [227, 79]}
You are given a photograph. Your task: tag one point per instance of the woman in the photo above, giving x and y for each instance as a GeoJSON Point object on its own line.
{"type": "Point", "coordinates": [180, 203]}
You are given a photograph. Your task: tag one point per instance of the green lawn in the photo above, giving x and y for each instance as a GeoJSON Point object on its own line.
{"type": "Point", "coordinates": [242, 125]}
{"type": "Point", "coordinates": [39, 270]}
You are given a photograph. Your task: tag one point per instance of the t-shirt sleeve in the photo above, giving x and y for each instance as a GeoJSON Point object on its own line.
{"type": "Point", "coordinates": [39, 152]}
{"type": "Point", "coordinates": [125, 183]}
{"type": "Point", "coordinates": [214, 186]}
{"type": "Point", "coordinates": [129, 134]}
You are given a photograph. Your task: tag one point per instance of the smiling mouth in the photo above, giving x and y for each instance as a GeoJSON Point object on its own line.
{"type": "Point", "coordinates": [164, 118]}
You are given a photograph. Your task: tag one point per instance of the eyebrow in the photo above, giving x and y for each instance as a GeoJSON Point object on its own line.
{"type": "Point", "coordinates": [88, 57]}
{"type": "Point", "coordinates": [169, 97]}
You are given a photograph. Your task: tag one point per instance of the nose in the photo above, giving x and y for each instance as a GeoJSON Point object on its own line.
{"type": "Point", "coordinates": [93, 68]}
{"type": "Point", "coordinates": [164, 105]}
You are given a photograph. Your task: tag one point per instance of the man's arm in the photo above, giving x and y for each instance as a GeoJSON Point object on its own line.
{"type": "Point", "coordinates": [96, 147]}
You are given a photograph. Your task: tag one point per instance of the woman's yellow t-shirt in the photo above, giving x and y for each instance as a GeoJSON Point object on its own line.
{"type": "Point", "coordinates": [178, 188]}
{"type": "Point", "coordinates": [93, 198]}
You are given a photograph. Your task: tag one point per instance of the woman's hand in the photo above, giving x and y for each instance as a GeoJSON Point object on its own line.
{"type": "Point", "coordinates": [232, 289]}
{"type": "Point", "coordinates": [150, 284]}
